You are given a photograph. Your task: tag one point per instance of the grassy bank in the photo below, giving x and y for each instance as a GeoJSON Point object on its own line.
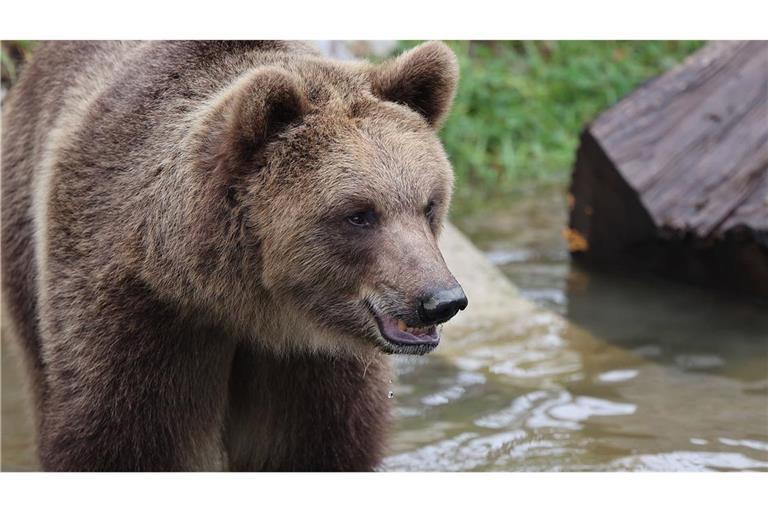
{"type": "Point", "coordinates": [12, 54]}
{"type": "Point", "coordinates": [521, 104]}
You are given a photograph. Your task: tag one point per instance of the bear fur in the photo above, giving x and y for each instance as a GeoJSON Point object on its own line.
{"type": "Point", "coordinates": [195, 235]}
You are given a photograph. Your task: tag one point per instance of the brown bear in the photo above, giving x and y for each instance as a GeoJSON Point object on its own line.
{"type": "Point", "coordinates": [208, 249]}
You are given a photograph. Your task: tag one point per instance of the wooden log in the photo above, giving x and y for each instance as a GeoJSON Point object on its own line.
{"type": "Point", "coordinates": [674, 178]}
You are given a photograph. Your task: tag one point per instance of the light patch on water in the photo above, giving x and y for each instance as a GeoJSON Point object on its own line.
{"type": "Point", "coordinates": [405, 365]}
{"type": "Point", "coordinates": [699, 361]}
{"type": "Point", "coordinates": [698, 441]}
{"type": "Point", "coordinates": [539, 417]}
{"type": "Point", "coordinates": [403, 389]}
{"type": "Point", "coordinates": [506, 256]}
{"type": "Point", "coordinates": [545, 319]}
{"type": "Point", "coordinates": [444, 396]}
{"type": "Point", "coordinates": [551, 340]}
{"type": "Point", "coordinates": [585, 407]}
{"type": "Point", "coordinates": [471, 378]}
{"type": "Point", "coordinates": [648, 351]}
{"type": "Point", "coordinates": [464, 380]}
{"type": "Point", "coordinates": [688, 461]}
{"type": "Point", "coordinates": [515, 413]}
{"type": "Point", "coordinates": [748, 443]}
{"type": "Point", "coordinates": [496, 445]}
{"type": "Point", "coordinates": [463, 452]}
{"type": "Point", "coordinates": [558, 409]}
{"type": "Point", "coordinates": [757, 388]}
{"type": "Point", "coordinates": [543, 355]}
{"type": "Point", "coordinates": [434, 457]}
{"type": "Point", "coordinates": [545, 295]}
{"type": "Point", "coordinates": [520, 454]}
{"type": "Point", "coordinates": [408, 412]}
{"type": "Point", "coordinates": [618, 375]}
{"type": "Point", "coordinates": [536, 365]}
{"type": "Point", "coordinates": [469, 363]}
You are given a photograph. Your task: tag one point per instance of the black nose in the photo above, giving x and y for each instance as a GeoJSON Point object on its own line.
{"type": "Point", "coordinates": [441, 305]}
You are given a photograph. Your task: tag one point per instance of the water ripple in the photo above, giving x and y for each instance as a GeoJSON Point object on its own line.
{"type": "Point", "coordinates": [553, 409]}
{"type": "Point", "coordinates": [688, 461]}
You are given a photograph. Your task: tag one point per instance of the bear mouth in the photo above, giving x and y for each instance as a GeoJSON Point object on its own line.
{"type": "Point", "coordinates": [403, 338]}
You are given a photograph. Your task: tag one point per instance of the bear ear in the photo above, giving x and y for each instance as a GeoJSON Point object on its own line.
{"type": "Point", "coordinates": [423, 78]}
{"type": "Point", "coordinates": [255, 110]}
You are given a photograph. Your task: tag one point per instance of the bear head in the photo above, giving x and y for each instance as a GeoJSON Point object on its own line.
{"type": "Point", "coordinates": [340, 187]}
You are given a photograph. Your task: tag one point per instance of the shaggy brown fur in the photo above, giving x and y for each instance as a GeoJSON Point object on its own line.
{"type": "Point", "coordinates": [177, 257]}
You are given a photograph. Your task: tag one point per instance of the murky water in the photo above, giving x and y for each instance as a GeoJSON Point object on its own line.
{"type": "Point", "coordinates": [644, 375]}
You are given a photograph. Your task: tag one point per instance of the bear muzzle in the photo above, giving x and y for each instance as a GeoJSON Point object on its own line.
{"type": "Point", "coordinates": [434, 308]}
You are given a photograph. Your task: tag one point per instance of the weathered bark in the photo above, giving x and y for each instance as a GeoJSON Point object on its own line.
{"type": "Point", "coordinates": [674, 178]}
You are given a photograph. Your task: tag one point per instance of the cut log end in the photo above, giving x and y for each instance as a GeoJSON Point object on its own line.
{"type": "Point", "coordinates": [674, 178]}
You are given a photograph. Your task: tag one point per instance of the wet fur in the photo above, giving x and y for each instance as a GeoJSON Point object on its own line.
{"type": "Point", "coordinates": [168, 263]}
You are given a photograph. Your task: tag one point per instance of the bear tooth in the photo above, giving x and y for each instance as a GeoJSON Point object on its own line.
{"type": "Point", "coordinates": [401, 325]}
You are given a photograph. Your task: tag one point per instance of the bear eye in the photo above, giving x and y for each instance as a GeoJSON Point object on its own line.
{"type": "Point", "coordinates": [362, 219]}
{"type": "Point", "coordinates": [429, 210]}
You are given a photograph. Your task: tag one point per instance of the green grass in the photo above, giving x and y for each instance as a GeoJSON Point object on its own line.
{"type": "Point", "coordinates": [11, 54]}
{"type": "Point", "coordinates": [521, 105]}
